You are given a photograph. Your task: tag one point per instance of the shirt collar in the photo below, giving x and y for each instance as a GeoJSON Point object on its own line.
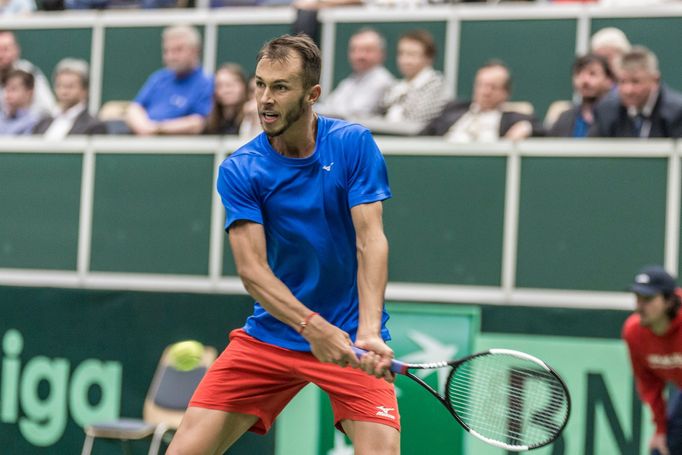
{"type": "Point", "coordinates": [648, 107]}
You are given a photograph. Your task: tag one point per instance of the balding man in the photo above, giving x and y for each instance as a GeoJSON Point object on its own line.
{"type": "Point", "coordinates": [360, 94]}
{"type": "Point", "coordinates": [484, 119]}
{"type": "Point", "coordinates": [10, 59]}
{"type": "Point", "coordinates": [175, 99]}
{"type": "Point", "coordinates": [644, 107]}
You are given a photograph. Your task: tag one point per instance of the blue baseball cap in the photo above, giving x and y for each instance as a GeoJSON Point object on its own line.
{"type": "Point", "coordinates": [653, 280]}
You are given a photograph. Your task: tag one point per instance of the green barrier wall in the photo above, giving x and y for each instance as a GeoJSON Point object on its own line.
{"type": "Point", "coordinates": [152, 213]}
{"type": "Point", "coordinates": [40, 200]}
{"type": "Point", "coordinates": [241, 43]}
{"type": "Point", "coordinates": [46, 47]}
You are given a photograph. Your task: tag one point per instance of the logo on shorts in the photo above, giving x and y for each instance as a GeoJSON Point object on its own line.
{"type": "Point", "coordinates": [385, 412]}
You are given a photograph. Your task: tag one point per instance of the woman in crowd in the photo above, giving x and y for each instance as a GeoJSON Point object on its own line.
{"type": "Point", "coordinates": [229, 96]}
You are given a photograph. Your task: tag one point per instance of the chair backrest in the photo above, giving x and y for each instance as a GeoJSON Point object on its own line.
{"type": "Point", "coordinates": [555, 110]}
{"type": "Point", "coordinates": [113, 110]}
{"type": "Point", "coordinates": [171, 389]}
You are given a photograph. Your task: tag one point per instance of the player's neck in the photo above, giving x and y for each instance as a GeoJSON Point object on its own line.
{"type": "Point", "coordinates": [299, 140]}
{"type": "Point", "coordinates": [661, 326]}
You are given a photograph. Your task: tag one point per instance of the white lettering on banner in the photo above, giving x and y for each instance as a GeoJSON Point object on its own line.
{"type": "Point", "coordinates": [44, 417]}
{"type": "Point", "coordinates": [665, 361]}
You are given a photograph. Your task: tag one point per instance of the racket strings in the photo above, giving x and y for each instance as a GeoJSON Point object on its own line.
{"type": "Point", "coordinates": [508, 399]}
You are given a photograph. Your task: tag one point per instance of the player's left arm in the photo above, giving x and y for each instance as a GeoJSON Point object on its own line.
{"type": "Point", "coordinates": [372, 255]}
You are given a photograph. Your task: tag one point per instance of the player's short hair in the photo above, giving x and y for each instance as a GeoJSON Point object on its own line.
{"type": "Point", "coordinates": [280, 49]}
{"type": "Point", "coordinates": [674, 304]}
{"type": "Point", "coordinates": [190, 34]}
{"type": "Point", "coordinates": [75, 66]}
{"type": "Point", "coordinates": [640, 57]}
{"type": "Point", "coordinates": [584, 61]}
{"type": "Point", "coordinates": [497, 63]}
{"type": "Point", "coordinates": [27, 79]}
{"type": "Point", "coordinates": [424, 38]}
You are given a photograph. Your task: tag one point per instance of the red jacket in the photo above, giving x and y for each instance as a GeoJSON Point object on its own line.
{"type": "Point", "coordinates": [655, 361]}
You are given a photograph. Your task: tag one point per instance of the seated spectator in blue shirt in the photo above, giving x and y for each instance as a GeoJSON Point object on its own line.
{"type": "Point", "coordinates": [17, 117]}
{"type": "Point", "coordinates": [592, 79]}
{"type": "Point", "coordinates": [175, 99]}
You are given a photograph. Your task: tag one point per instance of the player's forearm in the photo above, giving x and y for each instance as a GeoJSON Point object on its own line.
{"type": "Point", "coordinates": [137, 119]}
{"type": "Point", "coordinates": [273, 295]}
{"type": "Point", "coordinates": [372, 278]}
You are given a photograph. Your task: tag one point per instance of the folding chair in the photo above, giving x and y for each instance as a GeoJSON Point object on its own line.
{"type": "Point", "coordinates": [164, 406]}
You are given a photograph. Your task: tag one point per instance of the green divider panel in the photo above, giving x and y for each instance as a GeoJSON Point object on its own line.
{"type": "Point", "coordinates": [241, 43]}
{"type": "Point", "coordinates": [40, 204]}
{"type": "Point", "coordinates": [538, 52]}
{"type": "Point", "coordinates": [46, 47]}
{"type": "Point", "coordinates": [589, 223]}
{"type": "Point", "coordinates": [152, 213]}
{"type": "Point", "coordinates": [658, 34]}
{"type": "Point", "coordinates": [131, 55]}
{"type": "Point", "coordinates": [445, 220]}
{"type": "Point", "coordinates": [391, 31]}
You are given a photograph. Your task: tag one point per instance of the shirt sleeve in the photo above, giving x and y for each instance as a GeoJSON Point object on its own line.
{"type": "Point", "coordinates": [649, 386]}
{"type": "Point", "coordinates": [203, 102]}
{"type": "Point", "coordinates": [144, 95]}
{"type": "Point", "coordinates": [368, 177]}
{"type": "Point", "coordinates": [239, 198]}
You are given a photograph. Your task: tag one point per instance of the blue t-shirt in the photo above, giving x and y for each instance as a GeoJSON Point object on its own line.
{"type": "Point", "coordinates": [166, 96]}
{"type": "Point", "coordinates": [304, 206]}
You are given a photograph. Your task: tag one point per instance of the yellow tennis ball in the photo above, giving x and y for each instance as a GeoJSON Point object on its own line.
{"type": "Point", "coordinates": [185, 355]}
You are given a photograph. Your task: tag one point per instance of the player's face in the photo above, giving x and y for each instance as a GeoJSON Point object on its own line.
{"type": "Point", "coordinates": [69, 89]}
{"type": "Point", "coordinates": [591, 82]}
{"type": "Point", "coordinates": [635, 86]}
{"type": "Point", "coordinates": [651, 310]}
{"type": "Point", "coordinates": [179, 55]}
{"type": "Point", "coordinates": [229, 88]}
{"type": "Point", "coordinates": [411, 58]}
{"type": "Point", "coordinates": [365, 52]}
{"type": "Point", "coordinates": [280, 95]}
{"type": "Point", "coordinates": [490, 89]}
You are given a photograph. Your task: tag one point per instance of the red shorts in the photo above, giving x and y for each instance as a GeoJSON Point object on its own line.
{"type": "Point", "coordinates": [256, 378]}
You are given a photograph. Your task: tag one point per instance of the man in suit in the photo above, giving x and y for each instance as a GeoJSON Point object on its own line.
{"type": "Point", "coordinates": [71, 86]}
{"type": "Point", "coordinates": [592, 79]}
{"type": "Point", "coordinates": [644, 107]}
{"type": "Point", "coordinates": [484, 119]}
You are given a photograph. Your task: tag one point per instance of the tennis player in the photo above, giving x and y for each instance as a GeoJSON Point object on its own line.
{"type": "Point", "coordinates": [304, 218]}
{"type": "Point", "coordinates": [654, 338]}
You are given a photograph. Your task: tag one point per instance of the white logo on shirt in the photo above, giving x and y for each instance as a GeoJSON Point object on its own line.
{"type": "Point", "coordinates": [328, 167]}
{"type": "Point", "coordinates": [664, 361]}
{"type": "Point", "coordinates": [385, 412]}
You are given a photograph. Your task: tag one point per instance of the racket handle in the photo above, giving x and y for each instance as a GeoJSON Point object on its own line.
{"type": "Point", "coordinates": [396, 365]}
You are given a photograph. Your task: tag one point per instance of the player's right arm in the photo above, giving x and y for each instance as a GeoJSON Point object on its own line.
{"type": "Point", "coordinates": [328, 343]}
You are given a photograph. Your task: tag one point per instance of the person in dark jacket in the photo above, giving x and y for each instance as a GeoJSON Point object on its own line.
{"type": "Point", "coordinates": [484, 119]}
{"type": "Point", "coordinates": [71, 87]}
{"type": "Point", "coordinates": [644, 107]}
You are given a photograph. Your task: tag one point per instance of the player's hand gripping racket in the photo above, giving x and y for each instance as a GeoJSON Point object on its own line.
{"type": "Point", "coordinates": [506, 398]}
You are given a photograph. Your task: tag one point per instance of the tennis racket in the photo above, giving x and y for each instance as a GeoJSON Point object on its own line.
{"type": "Point", "coordinates": [505, 398]}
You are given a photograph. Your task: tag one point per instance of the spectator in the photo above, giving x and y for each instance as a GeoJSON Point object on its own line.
{"type": "Point", "coordinates": [71, 82]}
{"type": "Point", "coordinates": [16, 117]}
{"type": "Point", "coordinates": [484, 119]}
{"type": "Point", "coordinates": [360, 94]}
{"type": "Point", "coordinates": [230, 94]}
{"type": "Point", "coordinates": [175, 99]}
{"type": "Point", "coordinates": [250, 126]}
{"type": "Point", "coordinates": [10, 59]}
{"type": "Point", "coordinates": [422, 92]}
{"type": "Point", "coordinates": [644, 106]}
{"type": "Point", "coordinates": [16, 7]}
{"type": "Point", "coordinates": [592, 79]}
{"type": "Point", "coordinates": [611, 43]}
